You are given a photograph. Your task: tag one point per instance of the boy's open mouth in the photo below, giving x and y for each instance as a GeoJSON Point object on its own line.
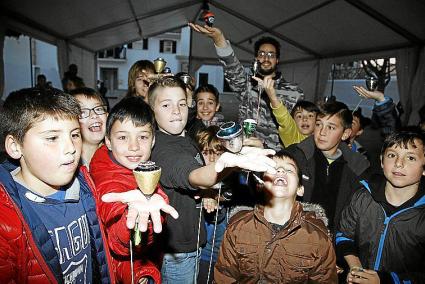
{"type": "Point", "coordinates": [280, 181]}
{"type": "Point", "coordinates": [95, 127]}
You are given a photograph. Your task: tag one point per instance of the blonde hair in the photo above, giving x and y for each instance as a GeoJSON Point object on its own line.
{"type": "Point", "coordinates": [161, 83]}
{"type": "Point", "coordinates": [207, 139]}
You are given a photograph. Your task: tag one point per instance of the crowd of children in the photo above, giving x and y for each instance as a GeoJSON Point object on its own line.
{"type": "Point", "coordinates": [317, 212]}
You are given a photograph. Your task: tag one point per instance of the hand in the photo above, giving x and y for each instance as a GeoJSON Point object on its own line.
{"type": "Point", "coordinates": [212, 32]}
{"type": "Point", "coordinates": [376, 95]}
{"type": "Point", "coordinates": [210, 204]}
{"type": "Point", "coordinates": [364, 276]}
{"type": "Point", "coordinates": [253, 142]}
{"type": "Point", "coordinates": [139, 208]}
{"type": "Point", "coordinates": [249, 158]}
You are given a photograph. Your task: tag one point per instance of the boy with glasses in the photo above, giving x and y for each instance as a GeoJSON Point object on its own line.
{"type": "Point", "coordinates": [92, 121]}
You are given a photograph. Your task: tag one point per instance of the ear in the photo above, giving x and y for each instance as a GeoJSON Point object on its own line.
{"type": "Point", "coordinates": [300, 191]}
{"type": "Point", "coordinates": [381, 159]}
{"type": "Point", "coordinates": [12, 147]}
{"type": "Point", "coordinates": [108, 143]}
{"type": "Point", "coordinates": [346, 134]}
{"type": "Point", "coordinates": [153, 142]}
{"type": "Point", "coordinates": [217, 107]}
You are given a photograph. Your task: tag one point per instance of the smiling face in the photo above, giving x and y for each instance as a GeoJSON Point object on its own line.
{"type": "Point", "coordinates": [170, 108]}
{"type": "Point", "coordinates": [48, 155]}
{"type": "Point", "coordinates": [268, 59]}
{"type": "Point", "coordinates": [93, 127]}
{"type": "Point", "coordinates": [206, 106]}
{"type": "Point", "coordinates": [404, 167]}
{"type": "Point", "coordinates": [328, 133]}
{"type": "Point", "coordinates": [305, 121]}
{"type": "Point", "coordinates": [285, 183]}
{"type": "Point", "coordinates": [130, 144]}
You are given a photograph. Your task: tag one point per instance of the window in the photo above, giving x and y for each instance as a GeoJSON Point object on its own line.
{"type": "Point", "coordinates": [203, 79]}
{"type": "Point", "coordinates": [167, 46]}
{"type": "Point", "coordinates": [145, 44]}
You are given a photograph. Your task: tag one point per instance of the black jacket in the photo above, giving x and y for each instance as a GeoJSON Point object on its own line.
{"type": "Point", "coordinates": [355, 165]}
{"type": "Point", "coordinates": [392, 244]}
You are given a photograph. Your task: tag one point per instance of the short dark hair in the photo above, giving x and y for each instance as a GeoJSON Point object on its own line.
{"type": "Point", "coordinates": [134, 109]}
{"type": "Point", "coordinates": [164, 82]}
{"type": "Point", "coordinates": [25, 107]}
{"type": "Point", "coordinates": [285, 154]}
{"type": "Point", "coordinates": [209, 89]}
{"type": "Point", "coordinates": [267, 40]}
{"type": "Point", "coordinates": [305, 105]}
{"type": "Point", "coordinates": [362, 120]}
{"type": "Point", "coordinates": [403, 138]}
{"type": "Point", "coordinates": [331, 108]}
{"type": "Point", "coordinates": [88, 93]}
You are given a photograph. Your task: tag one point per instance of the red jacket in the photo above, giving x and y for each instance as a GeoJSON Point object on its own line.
{"type": "Point", "coordinates": [111, 177]}
{"type": "Point", "coordinates": [21, 258]}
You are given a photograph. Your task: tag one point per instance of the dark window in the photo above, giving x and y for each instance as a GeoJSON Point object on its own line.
{"type": "Point", "coordinates": [145, 44]}
{"type": "Point", "coordinates": [203, 79]}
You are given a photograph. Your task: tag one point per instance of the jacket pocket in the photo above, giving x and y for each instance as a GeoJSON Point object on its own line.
{"type": "Point", "coordinates": [248, 258]}
{"type": "Point", "coordinates": [297, 263]}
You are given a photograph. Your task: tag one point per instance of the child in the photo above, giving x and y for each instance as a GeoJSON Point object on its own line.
{"type": "Point", "coordinates": [280, 241]}
{"type": "Point", "coordinates": [129, 139]}
{"type": "Point", "coordinates": [382, 231]}
{"type": "Point", "coordinates": [183, 174]}
{"type": "Point", "coordinates": [92, 121]}
{"type": "Point", "coordinates": [357, 128]}
{"type": "Point", "coordinates": [207, 105]}
{"type": "Point", "coordinates": [139, 77]}
{"type": "Point", "coordinates": [50, 232]}
{"type": "Point", "coordinates": [330, 169]}
{"type": "Point", "coordinates": [294, 127]}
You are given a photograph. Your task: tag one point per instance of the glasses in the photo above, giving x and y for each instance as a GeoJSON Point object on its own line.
{"type": "Point", "coordinates": [269, 55]}
{"type": "Point", "coordinates": [85, 112]}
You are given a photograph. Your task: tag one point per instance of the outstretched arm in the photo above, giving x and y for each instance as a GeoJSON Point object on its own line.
{"type": "Point", "coordinates": [140, 208]}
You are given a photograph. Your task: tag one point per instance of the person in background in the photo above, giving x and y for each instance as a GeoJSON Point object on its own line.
{"type": "Point", "coordinates": [139, 79]}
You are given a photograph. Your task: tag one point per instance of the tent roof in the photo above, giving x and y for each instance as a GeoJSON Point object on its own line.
{"type": "Point", "coordinates": [307, 29]}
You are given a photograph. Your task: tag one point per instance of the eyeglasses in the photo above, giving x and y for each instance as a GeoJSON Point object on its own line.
{"type": "Point", "coordinates": [85, 112]}
{"type": "Point", "coordinates": [269, 55]}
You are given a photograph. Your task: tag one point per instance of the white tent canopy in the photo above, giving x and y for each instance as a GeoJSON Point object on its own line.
{"type": "Point", "coordinates": [313, 33]}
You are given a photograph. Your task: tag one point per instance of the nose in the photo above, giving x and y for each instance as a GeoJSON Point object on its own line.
{"type": "Point", "coordinates": [399, 162]}
{"type": "Point", "coordinates": [176, 109]}
{"type": "Point", "coordinates": [304, 118]}
{"type": "Point", "coordinates": [323, 131]}
{"type": "Point", "coordinates": [70, 147]}
{"type": "Point", "coordinates": [133, 144]}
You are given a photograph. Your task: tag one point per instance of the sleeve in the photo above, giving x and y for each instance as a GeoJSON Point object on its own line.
{"type": "Point", "coordinates": [346, 228]}
{"type": "Point", "coordinates": [325, 270]}
{"type": "Point", "coordinates": [288, 130]}
{"type": "Point", "coordinates": [8, 263]}
{"type": "Point", "coordinates": [408, 277]}
{"type": "Point", "coordinates": [176, 168]}
{"type": "Point", "coordinates": [226, 270]}
{"type": "Point", "coordinates": [234, 72]}
{"type": "Point", "coordinates": [385, 116]}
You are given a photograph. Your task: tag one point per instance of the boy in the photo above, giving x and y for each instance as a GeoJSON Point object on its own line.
{"type": "Point", "coordinates": [382, 231]}
{"type": "Point", "coordinates": [293, 127]}
{"type": "Point", "coordinates": [280, 241]}
{"type": "Point", "coordinates": [330, 169]}
{"type": "Point", "coordinates": [183, 174]}
{"type": "Point", "coordinates": [129, 139]}
{"type": "Point", "coordinates": [92, 121]}
{"type": "Point", "coordinates": [50, 232]}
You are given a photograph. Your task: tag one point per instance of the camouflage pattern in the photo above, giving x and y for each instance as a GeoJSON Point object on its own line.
{"type": "Point", "coordinates": [240, 81]}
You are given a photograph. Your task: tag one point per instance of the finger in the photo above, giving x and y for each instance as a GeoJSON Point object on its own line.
{"type": "Point", "coordinates": [156, 221]}
{"type": "Point", "coordinates": [257, 79]}
{"type": "Point", "coordinates": [143, 221]}
{"type": "Point", "coordinates": [170, 210]}
{"type": "Point", "coordinates": [131, 217]}
{"type": "Point", "coordinates": [114, 197]}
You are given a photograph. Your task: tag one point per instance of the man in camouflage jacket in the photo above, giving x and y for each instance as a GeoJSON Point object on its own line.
{"type": "Point", "coordinates": [267, 52]}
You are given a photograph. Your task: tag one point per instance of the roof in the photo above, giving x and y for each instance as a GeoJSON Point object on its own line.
{"type": "Point", "coordinates": [307, 29]}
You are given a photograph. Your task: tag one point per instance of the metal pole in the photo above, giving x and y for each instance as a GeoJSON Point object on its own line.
{"type": "Point", "coordinates": [333, 79]}
{"type": "Point", "coordinates": [31, 71]}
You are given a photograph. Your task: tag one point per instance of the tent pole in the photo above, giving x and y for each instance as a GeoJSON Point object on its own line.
{"type": "Point", "coordinates": [31, 71]}
{"type": "Point", "coordinates": [333, 79]}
